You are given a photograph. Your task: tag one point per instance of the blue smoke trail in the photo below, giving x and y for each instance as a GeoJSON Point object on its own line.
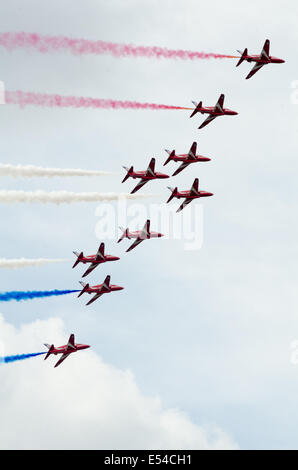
{"type": "Point", "coordinates": [20, 295]}
{"type": "Point", "coordinates": [18, 357]}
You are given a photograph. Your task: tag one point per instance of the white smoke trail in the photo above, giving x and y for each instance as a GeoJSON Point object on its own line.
{"type": "Point", "coordinates": [59, 197]}
{"type": "Point", "coordinates": [30, 171]}
{"type": "Point", "coordinates": [23, 262]}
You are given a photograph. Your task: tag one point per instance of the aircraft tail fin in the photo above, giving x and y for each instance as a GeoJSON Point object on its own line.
{"type": "Point", "coordinates": [243, 55]}
{"type": "Point", "coordinates": [124, 234]}
{"type": "Point", "coordinates": [129, 171]}
{"type": "Point", "coordinates": [174, 193]}
{"type": "Point", "coordinates": [101, 251]}
{"type": "Point", "coordinates": [265, 50]}
{"type": "Point", "coordinates": [106, 283]}
{"type": "Point", "coordinates": [79, 257]}
{"type": "Point", "coordinates": [50, 350]}
{"type": "Point", "coordinates": [197, 108]}
{"type": "Point", "coordinates": [151, 167]}
{"type": "Point", "coordinates": [85, 288]}
{"type": "Point", "coordinates": [170, 157]}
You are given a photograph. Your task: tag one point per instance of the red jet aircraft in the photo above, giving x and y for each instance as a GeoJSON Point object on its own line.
{"type": "Point", "coordinates": [263, 59]}
{"type": "Point", "coordinates": [104, 288]}
{"type": "Point", "coordinates": [185, 158]}
{"type": "Point", "coordinates": [213, 111]}
{"type": "Point", "coordinates": [66, 350]}
{"type": "Point", "coordinates": [193, 193]}
{"type": "Point", "coordinates": [95, 260]}
{"type": "Point", "coordinates": [139, 235]}
{"type": "Point", "coordinates": [149, 174]}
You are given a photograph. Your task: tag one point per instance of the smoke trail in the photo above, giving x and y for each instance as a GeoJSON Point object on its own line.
{"type": "Point", "coordinates": [23, 262]}
{"type": "Point", "coordinates": [82, 46]}
{"type": "Point", "coordinates": [59, 197]}
{"type": "Point", "coordinates": [30, 171]}
{"type": "Point", "coordinates": [19, 357]}
{"type": "Point", "coordinates": [58, 101]}
{"type": "Point", "coordinates": [22, 295]}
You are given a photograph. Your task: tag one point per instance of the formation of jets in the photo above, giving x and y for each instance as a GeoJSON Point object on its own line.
{"type": "Point", "coordinates": [94, 260]}
{"type": "Point", "coordinates": [149, 174]}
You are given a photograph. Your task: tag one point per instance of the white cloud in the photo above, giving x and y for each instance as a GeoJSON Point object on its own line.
{"type": "Point", "coordinates": [84, 404]}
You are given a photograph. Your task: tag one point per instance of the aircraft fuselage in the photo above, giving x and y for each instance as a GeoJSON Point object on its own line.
{"type": "Point", "coordinates": [216, 112]}
{"type": "Point", "coordinates": [140, 234]}
{"type": "Point", "coordinates": [92, 259]}
{"type": "Point", "coordinates": [64, 350]}
{"type": "Point", "coordinates": [263, 60]}
{"type": "Point", "coordinates": [102, 289]}
{"type": "Point", "coordinates": [144, 176]}
{"type": "Point", "coordinates": [184, 157]}
{"type": "Point", "coordinates": [191, 195]}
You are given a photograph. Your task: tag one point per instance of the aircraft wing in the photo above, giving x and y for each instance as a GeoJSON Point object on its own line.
{"type": "Point", "coordinates": [209, 119]}
{"type": "Point", "coordinates": [90, 269]}
{"type": "Point", "coordinates": [265, 50]}
{"type": "Point", "coordinates": [62, 358]}
{"type": "Point", "coordinates": [95, 297]}
{"type": "Point", "coordinates": [181, 167]}
{"type": "Point", "coordinates": [135, 243]}
{"type": "Point", "coordinates": [254, 70]}
{"type": "Point", "coordinates": [139, 186]}
{"type": "Point", "coordinates": [193, 150]}
{"type": "Point", "coordinates": [184, 204]}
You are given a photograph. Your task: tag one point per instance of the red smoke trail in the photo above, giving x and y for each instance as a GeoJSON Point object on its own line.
{"type": "Point", "coordinates": [42, 99]}
{"type": "Point", "coordinates": [83, 46]}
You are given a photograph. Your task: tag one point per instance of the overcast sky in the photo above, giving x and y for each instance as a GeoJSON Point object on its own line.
{"type": "Point", "coordinates": [195, 352]}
